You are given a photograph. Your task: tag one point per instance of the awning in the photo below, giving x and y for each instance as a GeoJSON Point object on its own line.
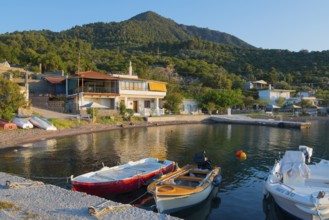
{"type": "Point", "coordinates": [93, 105]}
{"type": "Point", "coordinates": [296, 106]}
{"type": "Point", "coordinates": [154, 86]}
{"type": "Point", "coordinates": [274, 106]}
{"type": "Point", "coordinates": [53, 80]}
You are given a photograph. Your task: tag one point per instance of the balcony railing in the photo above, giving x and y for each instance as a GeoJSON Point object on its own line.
{"type": "Point", "coordinates": [94, 90]}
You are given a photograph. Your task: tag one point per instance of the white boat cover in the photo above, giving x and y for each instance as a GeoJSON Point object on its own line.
{"type": "Point", "coordinates": [293, 167]}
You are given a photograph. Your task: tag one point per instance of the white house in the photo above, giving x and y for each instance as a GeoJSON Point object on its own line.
{"type": "Point", "coordinates": [5, 64]}
{"type": "Point", "coordinates": [273, 94]}
{"type": "Point", "coordinates": [189, 106]}
{"type": "Point", "coordinates": [107, 92]}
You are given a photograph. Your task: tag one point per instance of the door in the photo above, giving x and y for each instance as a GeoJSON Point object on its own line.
{"type": "Point", "coordinates": [135, 106]}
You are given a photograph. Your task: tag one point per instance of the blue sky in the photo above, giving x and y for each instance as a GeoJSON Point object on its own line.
{"type": "Point", "coordinates": [278, 24]}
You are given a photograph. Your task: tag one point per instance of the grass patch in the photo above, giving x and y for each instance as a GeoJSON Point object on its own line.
{"type": "Point", "coordinates": [109, 120]}
{"type": "Point", "coordinates": [8, 205]}
{"type": "Point", "coordinates": [64, 123]}
{"type": "Point", "coordinates": [70, 123]}
{"type": "Point", "coordinates": [30, 215]}
{"type": "Point", "coordinates": [137, 119]}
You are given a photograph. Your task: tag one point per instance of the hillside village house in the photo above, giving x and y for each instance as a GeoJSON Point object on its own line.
{"type": "Point", "coordinates": [190, 106]}
{"type": "Point", "coordinates": [260, 84]}
{"type": "Point", "coordinates": [273, 94]}
{"type": "Point", "coordinates": [106, 92]}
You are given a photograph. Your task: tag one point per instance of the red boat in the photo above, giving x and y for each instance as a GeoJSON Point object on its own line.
{"type": "Point", "coordinates": [6, 125]}
{"type": "Point", "coordinates": [122, 178]}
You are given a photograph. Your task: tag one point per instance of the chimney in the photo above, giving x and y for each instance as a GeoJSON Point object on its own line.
{"type": "Point", "coordinates": [130, 69]}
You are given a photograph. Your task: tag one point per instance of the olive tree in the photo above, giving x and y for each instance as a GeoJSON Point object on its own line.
{"type": "Point", "coordinates": [10, 98]}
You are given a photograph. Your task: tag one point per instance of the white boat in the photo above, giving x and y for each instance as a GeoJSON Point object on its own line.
{"type": "Point", "coordinates": [298, 188]}
{"type": "Point", "coordinates": [22, 123]}
{"type": "Point", "coordinates": [42, 123]}
{"type": "Point", "coordinates": [184, 188]}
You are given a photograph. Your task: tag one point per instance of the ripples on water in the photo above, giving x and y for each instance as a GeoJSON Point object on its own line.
{"type": "Point", "coordinates": [240, 195]}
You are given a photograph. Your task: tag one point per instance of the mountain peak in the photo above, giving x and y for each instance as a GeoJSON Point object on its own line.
{"type": "Point", "coordinates": [147, 16]}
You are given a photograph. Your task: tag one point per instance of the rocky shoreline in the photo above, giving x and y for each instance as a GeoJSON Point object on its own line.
{"type": "Point", "coordinates": [19, 137]}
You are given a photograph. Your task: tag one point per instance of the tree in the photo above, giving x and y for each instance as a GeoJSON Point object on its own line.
{"type": "Point", "coordinates": [263, 102]}
{"type": "Point", "coordinates": [221, 99]}
{"type": "Point", "coordinates": [173, 101]}
{"type": "Point", "coordinates": [211, 107]}
{"type": "Point", "coordinates": [248, 101]}
{"type": "Point", "coordinates": [280, 101]}
{"type": "Point", "coordinates": [10, 98]}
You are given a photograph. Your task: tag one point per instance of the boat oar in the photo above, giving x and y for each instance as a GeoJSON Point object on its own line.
{"type": "Point", "coordinates": [183, 172]}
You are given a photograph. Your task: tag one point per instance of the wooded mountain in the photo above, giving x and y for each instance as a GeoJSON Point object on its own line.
{"type": "Point", "coordinates": [146, 28]}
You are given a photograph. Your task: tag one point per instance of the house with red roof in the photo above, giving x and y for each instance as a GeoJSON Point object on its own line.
{"type": "Point", "coordinates": [107, 91]}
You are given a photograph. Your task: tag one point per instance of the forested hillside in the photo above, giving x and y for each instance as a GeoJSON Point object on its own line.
{"type": "Point", "coordinates": [162, 49]}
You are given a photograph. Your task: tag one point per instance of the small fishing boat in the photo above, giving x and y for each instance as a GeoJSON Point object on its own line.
{"type": "Point", "coordinates": [42, 123]}
{"type": "Point", "coordinates": [298, 188]}
{"type": "Point", "coordinates": [22, 123]}
{"type": "Point", "coordinates": [186, 187]}
{"type": "Point", "coordinates": [7, 125]}
{"type": "Point", "coordinates": [123, 178]}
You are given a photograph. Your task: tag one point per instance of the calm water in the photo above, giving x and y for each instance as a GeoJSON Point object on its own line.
{"type": "Point", "coordinates": [240, 195]}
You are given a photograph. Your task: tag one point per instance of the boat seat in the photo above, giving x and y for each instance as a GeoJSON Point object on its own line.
{"type": "Point", "coordinates": [199, 171]}
{"type": "Point", "coordinates": [190, 178]}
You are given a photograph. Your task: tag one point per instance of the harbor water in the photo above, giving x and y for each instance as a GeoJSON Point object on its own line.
{"type": "Point", "coordinates": [240, 195]}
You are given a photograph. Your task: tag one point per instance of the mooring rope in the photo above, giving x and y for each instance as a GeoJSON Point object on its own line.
{"type": "Point", "coordinates": [138, 197]}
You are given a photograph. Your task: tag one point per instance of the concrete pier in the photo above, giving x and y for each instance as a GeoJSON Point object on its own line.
{"type": "Point", "coordinates": [21, 198]}
{"type": "Point", "coordinates": [240, 119]}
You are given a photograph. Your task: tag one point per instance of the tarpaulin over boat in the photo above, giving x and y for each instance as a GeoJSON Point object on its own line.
{"type": "Point", "coordinates": [293, 167]}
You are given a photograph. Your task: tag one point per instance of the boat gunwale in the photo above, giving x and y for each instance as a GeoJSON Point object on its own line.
{"type": "Point", "coordinates": [166, 165]}
{"type": "Point", "coordinates": [189, 190]}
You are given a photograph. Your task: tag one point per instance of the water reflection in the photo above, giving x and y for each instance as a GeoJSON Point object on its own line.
{"type": "Point", "coordinates": [202, 210]}
{"type": "Point", "coordinates": [241, 189]}
{"type": "Point", "coordinates": [273, 211]}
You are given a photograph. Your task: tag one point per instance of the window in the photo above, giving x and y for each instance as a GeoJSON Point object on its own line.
{"type": "Point", "coordinates": [147, 104]}
{"type": "Point", "coordinates": [112, 104]}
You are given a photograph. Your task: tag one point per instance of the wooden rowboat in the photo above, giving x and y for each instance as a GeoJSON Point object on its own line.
{"type": "Point", "coordinates": [123, 178]}
{"type": "Point", "coordinates": [184, 188]}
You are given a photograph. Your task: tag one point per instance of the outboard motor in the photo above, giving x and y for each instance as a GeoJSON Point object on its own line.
{"type": "Point", "coordinates": [202, 160]}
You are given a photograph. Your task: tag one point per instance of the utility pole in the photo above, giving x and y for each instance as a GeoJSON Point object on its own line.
{"type": "Point", "coordinates": [78, 73]}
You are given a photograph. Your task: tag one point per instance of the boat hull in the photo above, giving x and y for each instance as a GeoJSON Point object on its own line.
{"type": "Point", "coordinates": [6, 125]}
{"type": "Point", "coordinates": [171, 204]}
{"type": "Point", "coordinates": [112, 187]}
{"type": "Point", "coordinates": [301, 198]}
{"type": "Point", "coordinates": [42, 123]}
{"type": "Point", "coordinates": [183, 188]}
{"type": "Point", "coordinates": [22, 123]}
